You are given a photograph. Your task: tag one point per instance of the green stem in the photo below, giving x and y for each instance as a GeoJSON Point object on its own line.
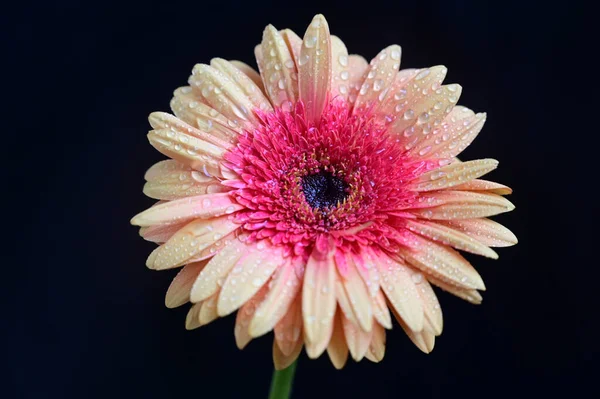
{"type": "Point", "coordinates": [281, 383]}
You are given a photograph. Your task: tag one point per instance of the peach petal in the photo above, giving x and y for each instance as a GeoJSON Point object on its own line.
{"type": "Point", "coordinates": [337, 348]}
{"type": "Point", "coordinates": [453, 175]}
{"type": "Point", "coordinates": [208, 312]}
{"type": "Point", "coordinates": [378, 79]}
{"type": "Point", "coordinates": [213, 275]}
{"type": "Point", "coordinates": [357, 67]}
{"type": "Point", "coordinates": [470, 295]}
{"type": "Point", "coordinates": [463, 205]}
{"type": "Point", "coordinates": [198, 207]}
{"type": "Point", "coordinates": [288, 331]}
{"type": "Point", "coordinates": [443, 263]}
{"type": "Point", "coordinates": [248, 275]}
{"type": "Point", "coordinates": [192, 319]}
{"type": "Point", "coordinates": [357, 339]}
{"type": "Point", "coordinates": [340, 69]}
{"type": "Point", "coordinates": [248, 87]}
{"type": "Point", "coordinates": [181, 286]}
{"type": "Point", "coordinates": [486, 231]}
{"type": "Point", "coordinates": [250, 72]}
{"type": "Point", "coordinates": [359, 297]}
{"type": "Point", "coordinates": [431, 306]}
{"type": "Point", "coordinates": [484, 185]}
{"type": "Point", "coordinates": [381, 311]}
{"type": "Point", "coordinates": [244, 316]}
{"type": "Point", "coordinates": [449, 236]}
{"type": "Point", "coordinates": [277, 68]}
{"type": "Point", "coordinates": [314, 68]}
{"type": "Point", "coordinates": [376, 350]}
{"type": "Point", "coordinates": [160, 233]}
{"type": "Point", "coordinates": [283, 289]}
{"type": "Point", "coordinates": [282, 360]}
{"type": "Point", "coordinates": [294, 43]}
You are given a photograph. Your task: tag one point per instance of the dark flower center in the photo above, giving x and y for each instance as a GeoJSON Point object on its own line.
{"type": "Point", "coordinates": [324, 190]}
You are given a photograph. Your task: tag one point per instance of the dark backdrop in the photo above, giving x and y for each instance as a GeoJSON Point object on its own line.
{"type": "Point", "coordinates": [84, 316]}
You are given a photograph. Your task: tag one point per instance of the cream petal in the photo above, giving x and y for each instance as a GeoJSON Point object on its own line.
{"type": "Point", "coordinates": [283, 289]}
{"type": "Point", "coordinates": [381, 311]}
{"type": "Point", "coordinates": [288, 331]}
{"type": "Point", "coordinates": [485, 231]}
{"type": "Point", "coordinates": [343, 301]}
{"type": "Point", "coordinates": [244, 316]}
{"type": "Point", "coordinates": [378, 79]}
{"type": "Point", "coordinates": [449, 236]}
{"type": "Point", "coordinates": [169, 180]}
{"type": "Point", "coordinates": [250, 72]}
{"type": "Point", "coordinates": [469, 295]}
{"type": "Point", "coordinates": [484, 185]}
{"type": "Point", "coordinates": [181, 286]}
{"type": "Point", "coordinates": [248, 275]}
{"type": "Point", "coordinates": [357, 339]}
{"type": "Point", "coordinates": [277, 68]}
{"type": "Point", "coordinates": [161, 233]}
{"type": "Point", "coordinates": [358, 296]}
{"type": "Point", "coordinates": [206, 206]}
{"type": "Point", "coordinates": [376, 350]}
{"type": "Point", "coordinates": [357, 66]}
{"type": "Point", "coordinates": [188, 242]}
{"type": "Point", "coordinates": [221, 139]}
{"type": "Point", "coordinates": [213, 275]}
{"type": "Point", "coordinates": [340, 69]}
{"type": "Point", "coordinates": [394, 103]}
{"type": "Point", "coordinates": [431, 306]}
{"type": "Point", "coordinates": [448, 139]}
{"type": "Point", "coordinates": [314, 69]}
{"type": "Point", "coordinates": [337, 348]}
{"type": "Point", "coordinates": [208, 312]}
{"type": "Point", "coordinates": [419, 97]}
{"type": "Point", "coordinates": [248, 87]}
{"type": "Point", "coordinates": [398, 286]}
{"type": "Point", "coordinates": [424, 340]}
{"type": "Point", "coordinates": [442, 263]}
{"type": "Point", "coordinates": [318, 300]}
{"type": "Point", "coordinates": [294, 43]}
{"type": "Point", "coordinates": [192, 320]}
{"type": "Point", "coordinates": [453, 175]}
{"type": "Point", "coordinates": [215, 128]}
{"type": "Point", "coordinates": [463, 205]}
{"type": "Point", "coordinates": [365, 264]}
{"type": "Point", "coordinates": [282, 360]}
{"type": "Point", "coordinates": [224, 95]}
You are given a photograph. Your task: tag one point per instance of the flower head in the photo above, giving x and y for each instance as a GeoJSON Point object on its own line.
{"type": "Point", "coordinates": [319, 195]}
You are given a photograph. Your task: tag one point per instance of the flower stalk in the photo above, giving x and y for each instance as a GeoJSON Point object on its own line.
{"type": "Point", "coordinates": [281, 382]}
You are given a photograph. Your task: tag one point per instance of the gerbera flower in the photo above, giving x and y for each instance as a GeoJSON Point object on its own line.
{"type": "Point", "coordinates": [319, 195]}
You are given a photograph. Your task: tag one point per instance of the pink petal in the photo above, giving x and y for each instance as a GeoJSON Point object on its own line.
{"type": "Point", "coordinates": [277, 68]}
{"type": "Point", "coordinates": [379, 77]}
{"type": "Point", "coordinates": [181, 286]}
{"type": "Point", "coordinates": [314, 68]}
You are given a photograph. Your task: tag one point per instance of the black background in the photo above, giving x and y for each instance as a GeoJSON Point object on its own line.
{"type": "Point", "coordinates": [85, 318]}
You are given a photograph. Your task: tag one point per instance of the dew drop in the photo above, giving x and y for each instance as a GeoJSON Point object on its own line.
{"type": "Point", "coordinates": [409, 114]}
{"type": "Point", "coordinates": [343, 60]}
{"type": "Point", "coordinates": [310, 41]}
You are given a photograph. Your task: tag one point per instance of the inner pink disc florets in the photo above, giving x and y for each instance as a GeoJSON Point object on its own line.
{"type": "Point", "coordinates": [275, 158]}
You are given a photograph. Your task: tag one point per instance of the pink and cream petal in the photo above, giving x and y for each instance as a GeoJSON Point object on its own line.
{"type": "Point", "coordinates": [484, 185]}
{"type": "Point", "coordinates": [453, 175]}
{"type": "Point", "coordinates": [179, 291]}
{"type": "Point", "coordinates": [318, 301]}
{"type": "Point", "coordinates": [443, 263]}
{"type": "Point", "coordinates": [463, 205]}
{"type": "Point", "coordinates": [449, 236]}
{"type": "Point", "coordinates": [283, 289]}
{"type": "Point", "coordinates": [206, 206]}
{"type": "Point", "coordinates": [486, 231]}
{"type": "Point", "coordinates": [278, 69]}
{"type": "Point", "coordinates": [376, 350]}
{"type": "Point", "coordinates": [244, 316]}
{"type": "Point", "coordinates": [379, 77]}
{"type": "Point", "coordinates": [340, 69]}
{"type": "Point", "coordinates": [213, 275]}
{"type": "Point", "coordinates": [294, 43]}
{"type": "Point", "coordinates": [337, 348]}
{"type": "Point", "coordinates": [314, 69]}
{"type": "Point", "coordinates": [161, 233]}
{"type": "Point", "coordinates": [248, 275]}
